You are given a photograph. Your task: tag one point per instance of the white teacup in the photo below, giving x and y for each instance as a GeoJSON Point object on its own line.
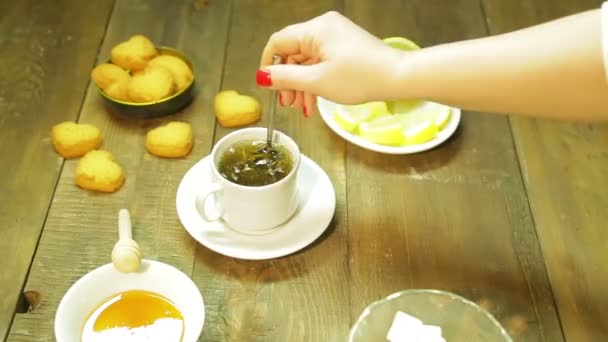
{"type": "Point", "coordinates": [102, 283]}
{"type": "Point", "coordinates": [250, 209]}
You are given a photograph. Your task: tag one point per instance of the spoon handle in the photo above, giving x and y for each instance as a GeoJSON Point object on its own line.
{"type": "Point", "coordinates": [124, 225]}
{"type": "Point", "coordinates": [276, 59]}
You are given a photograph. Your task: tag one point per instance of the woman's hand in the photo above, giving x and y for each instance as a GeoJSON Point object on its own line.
{"type": "Point", "coordinates": [328, 56]}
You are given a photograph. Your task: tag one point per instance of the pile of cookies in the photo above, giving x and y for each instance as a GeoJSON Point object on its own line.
{"type": "Point", "coordinates": [98, 169]}
{"type": "Point", "coordinates": [139, 73]}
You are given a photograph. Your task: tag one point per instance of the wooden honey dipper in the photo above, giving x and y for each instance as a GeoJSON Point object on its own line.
{"type": "Point", "coordinates": [126, 255]}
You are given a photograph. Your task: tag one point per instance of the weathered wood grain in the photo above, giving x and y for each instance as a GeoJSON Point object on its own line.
{"type": "Point", "coordinates": [564, 167]}
{"type": "Point", "coordinates": [47, 48]}
{"type": "Point", "coordinates": [455, 218]}
{"type": "Point", "coordinates": [301, 297]}
{"type": "Point", "coordinates": [82, 226]}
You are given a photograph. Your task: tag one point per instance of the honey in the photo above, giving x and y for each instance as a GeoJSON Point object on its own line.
{"type": "Point", "coordinates": [134, 316]}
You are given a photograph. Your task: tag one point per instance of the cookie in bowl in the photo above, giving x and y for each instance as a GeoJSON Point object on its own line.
{"type": "Point", "coordinates": [142, 80]}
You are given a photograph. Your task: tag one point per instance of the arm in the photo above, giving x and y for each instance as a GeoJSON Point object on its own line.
{"type": "Point", "coordinates": [553, 70]}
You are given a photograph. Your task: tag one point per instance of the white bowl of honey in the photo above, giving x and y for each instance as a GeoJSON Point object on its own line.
{"type": "Point", "coordinates": [156, 303]}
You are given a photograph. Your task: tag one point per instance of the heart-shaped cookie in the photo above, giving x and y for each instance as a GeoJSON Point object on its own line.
{"type": "Point", "coordinates": [182, 75]}
{"type": "Point", "coordinates": [172, 140]}
{"type": "Point", "coordinates": [106, 74]}
{"type": "Point", "coordinates": [133, 54]}
{"type": "Point", "coordinates": [73, 140]}
{"type": "Point", "coordinates": [98, 171]}
{"type": "Point", "coordinates": [233, 109]}
{"type": "Point", "coordinates": [152, 84]}
{"type": "Point", "coordinates": [119, 90]}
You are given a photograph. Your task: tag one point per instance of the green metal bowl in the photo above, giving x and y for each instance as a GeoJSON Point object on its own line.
{"type": "Point", "coordinates": [166, 106]}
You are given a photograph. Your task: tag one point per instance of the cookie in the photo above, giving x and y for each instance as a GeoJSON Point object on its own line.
{"type": "Point", "coordinates": [182, 75]}
{"type": "Point", "coordinates": [119, 90]}
{"type": "Point", "coordinates": [106, 74]}
{"type": "Point", "coordinates": [98, 171]}
{"type": "Point", "coordinates": [152, 84]}
{"type": "Point", "coordinates": [172, 140]}
{"type": "Point", "coordinates": [73, 140]}
{"type": "Point", "coordinates": [234, 110]}
{"type": "Point", "coordinates": [134, 54]}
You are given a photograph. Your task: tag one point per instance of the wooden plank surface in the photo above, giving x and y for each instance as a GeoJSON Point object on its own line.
{"type": "Point", "coordinates": [81, 228]}
{"type": "Point", "coordinates": [48, 47]}
{"type": "Point", "coordinates": [302, 297]}
{"type": "Point", "coordinates": [564, 167]}
{"type": "Point", "coordinates": [455, 218]}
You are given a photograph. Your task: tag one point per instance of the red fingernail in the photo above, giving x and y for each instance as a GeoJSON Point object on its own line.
{"type": "Point", "coordinates": [305, 110]}
{"type": "Point", "coordinates": [281, 100]}
{"type": "Point", "coordinates": [262, 77]}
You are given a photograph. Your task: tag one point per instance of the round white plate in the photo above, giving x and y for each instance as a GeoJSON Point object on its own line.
{"type": "Point", "coordinates": [316, 206]}
{"type": "Point", "coordinates": [326, 109]}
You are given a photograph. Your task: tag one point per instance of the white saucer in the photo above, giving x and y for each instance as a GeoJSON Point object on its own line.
{"type": "Point", "coordinates": [316, 206]}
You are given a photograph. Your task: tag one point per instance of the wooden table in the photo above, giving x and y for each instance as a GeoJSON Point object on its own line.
{"type": "Point", "coordinates": [511, 212]}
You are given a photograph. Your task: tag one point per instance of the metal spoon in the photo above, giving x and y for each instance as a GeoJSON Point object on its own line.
{"type": "Point", "coordinates": [276, 59]}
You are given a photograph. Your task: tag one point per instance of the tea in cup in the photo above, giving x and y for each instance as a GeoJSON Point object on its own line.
{"type": "Point", "coordinates": [254, 187]}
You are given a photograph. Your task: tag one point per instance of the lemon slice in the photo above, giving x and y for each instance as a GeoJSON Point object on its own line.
{"type": "Point", "coordinates": [369, 110]}
{"type": "Point", "coordinates": [416, 126]}
{"type": "Point", "coordinates": [401, 43]}
{"type": "Point", "coordinates": [386, 130]}
{"type": "Point", "coordinates": [345, 120]}
{"type": "Point", "coordinates": [403, 106]}
{"type": "Point", "coordinates": [349, 117]}
{"type": "Point", "coordinates": [438, 113]}
{"type": "Point", "coordinates": [442, 118]}
{"type": "Point", "coordinates": [420, 133]}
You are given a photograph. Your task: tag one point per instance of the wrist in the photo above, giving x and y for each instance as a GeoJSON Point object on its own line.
{"type": "Point", "coordinates": [405, 75]}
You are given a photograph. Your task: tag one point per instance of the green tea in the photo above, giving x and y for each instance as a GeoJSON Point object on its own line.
{"type": "Point", "coordinates": [252, 163]}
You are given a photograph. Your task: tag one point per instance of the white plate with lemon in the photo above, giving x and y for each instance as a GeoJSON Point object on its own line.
{"type": "Point", "coordinates": [419, 129]}
{"type": "Point", "coordinates": [393, 127]}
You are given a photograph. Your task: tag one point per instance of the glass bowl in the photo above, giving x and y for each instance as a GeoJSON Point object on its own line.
{"type": "Point", "coordinates": [459, 318]}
